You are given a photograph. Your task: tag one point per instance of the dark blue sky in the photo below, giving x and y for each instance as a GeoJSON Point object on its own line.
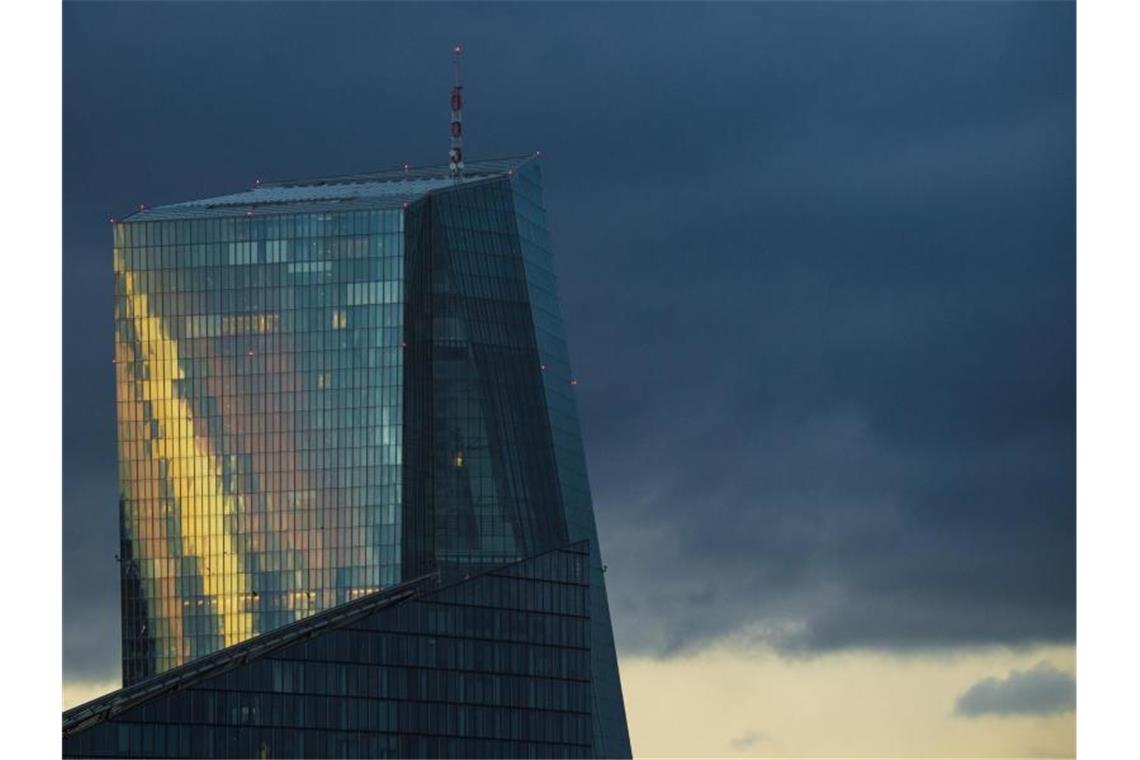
{"type": "Point", "coordinates": [817, 270]}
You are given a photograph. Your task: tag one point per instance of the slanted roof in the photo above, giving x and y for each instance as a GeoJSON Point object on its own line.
{"type": "Point", "coordinates": [195, 671]}
{"type": "Point", "coordinates": [385, 189]}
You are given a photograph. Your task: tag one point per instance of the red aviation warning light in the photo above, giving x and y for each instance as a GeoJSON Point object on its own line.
{"type": "Point", "coordinates": [455, 158]}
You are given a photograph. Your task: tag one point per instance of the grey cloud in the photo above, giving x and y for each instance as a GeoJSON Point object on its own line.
{"type": "Point", "coordinates": [1041, 690]}
{"type": "Point", "coordinates": [749, 740]}
{"type": "Point", "coordinates": [90, 577]}
{"type": "Point", "coordinates": [816, 264]}
{"type": "Point", "coordinates": [820, 533]}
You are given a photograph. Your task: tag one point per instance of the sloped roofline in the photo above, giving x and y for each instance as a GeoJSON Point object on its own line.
{"type": "Point", "coordinates": [195, 671]}
{"type": "Point", "coordinates": [109, 705]}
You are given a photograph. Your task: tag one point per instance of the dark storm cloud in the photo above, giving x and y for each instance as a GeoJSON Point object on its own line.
{"type": "Point", "coordinates": [1041, 690]}
{"type": "Point", "coordinates": [816, 268]}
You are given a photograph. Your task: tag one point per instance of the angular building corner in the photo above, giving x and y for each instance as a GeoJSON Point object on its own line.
{"type": "Point", "coordinates": [326, 388]}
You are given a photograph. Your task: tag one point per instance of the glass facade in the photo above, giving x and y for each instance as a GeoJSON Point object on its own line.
{"type": "Point", "coordinates": [259, 369]}
{"type": "Point", "coordinates": [611, 737]}
{"type": "Point", "coordinates": [487, 476]}
{"type": "Point", "coordinates": [501, 469]}
{"type": "Point", "coordinates": [495, 666]}
{"type": "Point", "coordinates": [327, 387]}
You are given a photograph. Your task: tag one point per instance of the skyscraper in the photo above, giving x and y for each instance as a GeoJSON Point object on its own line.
{"type": "Point", "coordinates": [328, 388]}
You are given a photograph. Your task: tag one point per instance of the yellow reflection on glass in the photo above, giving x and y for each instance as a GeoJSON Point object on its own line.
{"type": "Point", "coordinates": [194, 474]}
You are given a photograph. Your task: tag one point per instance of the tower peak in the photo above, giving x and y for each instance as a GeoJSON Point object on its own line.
{"type": "Point", "coordinates": [455, 159]}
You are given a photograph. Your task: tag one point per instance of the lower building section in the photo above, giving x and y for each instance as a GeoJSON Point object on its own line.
{"type": "Point", "coordinates": [494, 665]}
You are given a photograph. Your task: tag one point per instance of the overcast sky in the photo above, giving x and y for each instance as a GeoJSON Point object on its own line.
{"type": "Point", "coordinates": [817, 272]}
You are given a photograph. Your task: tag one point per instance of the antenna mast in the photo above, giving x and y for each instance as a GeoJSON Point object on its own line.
{"type": "Point", "coordinates": [456, 159]}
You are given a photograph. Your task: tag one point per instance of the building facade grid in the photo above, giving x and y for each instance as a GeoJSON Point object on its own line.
{"type": "Point", "coordinates": [259, 371]}
{"type": "Point", "coordinates": [495, 666]}
{"type": "Point", "coordinates": [327, 387]}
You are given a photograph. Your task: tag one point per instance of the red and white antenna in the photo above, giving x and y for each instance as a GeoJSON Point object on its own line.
{"type": "Point", "coordinates": [455, 163]}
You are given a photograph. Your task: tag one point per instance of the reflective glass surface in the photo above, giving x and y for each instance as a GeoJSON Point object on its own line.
{"type": "Point", "coordinates": [495, 666]}
{"type": "Point", "coordinates": [487, 475]}
{"type": "Point", "coordinates": [611, 733]}
{"type": "Point", "coordinates": [317, 404]}
{"type": "Point", "coordinates": [259, 371]}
